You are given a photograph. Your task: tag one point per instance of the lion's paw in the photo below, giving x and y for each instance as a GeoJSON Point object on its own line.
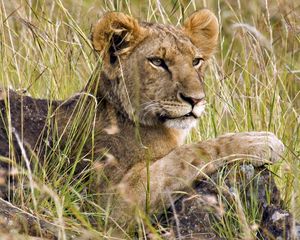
{"type": "Point", "coordinates": [264, 145]}
{"type": "Point", "coordinates": [258, 147]}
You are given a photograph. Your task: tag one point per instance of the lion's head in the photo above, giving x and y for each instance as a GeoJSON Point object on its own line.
{"type": "Point", "coordinates": [154, 72]}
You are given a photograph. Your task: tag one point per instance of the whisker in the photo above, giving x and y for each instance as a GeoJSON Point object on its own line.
{"type": "Point", "coordinates": [150, 106]}
{"type": "Point", "coordinates": [151, 110]}
{"type": "Point", "coordinates": [148, 103]}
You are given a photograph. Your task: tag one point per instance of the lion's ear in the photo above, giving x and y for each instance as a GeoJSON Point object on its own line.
{"type": "Point", "coordinates": [203, 29]}
{"type": "Point", "coordinates": [116, 33]}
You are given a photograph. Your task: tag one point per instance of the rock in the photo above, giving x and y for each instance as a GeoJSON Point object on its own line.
{"type": "Point", "coordinates": [276, 223]}
{"type": "Point", "coordinates": [236, 202]}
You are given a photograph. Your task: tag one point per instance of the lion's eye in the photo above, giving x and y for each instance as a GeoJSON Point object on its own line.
{"type": "Point", "coordinates": [197, 62]}
{"type": "Point", "coordinates": [156, 61]}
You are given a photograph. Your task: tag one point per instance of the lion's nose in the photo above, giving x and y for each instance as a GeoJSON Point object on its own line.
{"type": "Point", "coordinates": [191, 100]}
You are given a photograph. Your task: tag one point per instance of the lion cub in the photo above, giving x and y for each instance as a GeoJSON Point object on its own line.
{"type": "Point", "coordinates": [149, 94]}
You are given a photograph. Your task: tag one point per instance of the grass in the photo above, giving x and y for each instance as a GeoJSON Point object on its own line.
{"type": "Point", "coordinates": [252, 83]}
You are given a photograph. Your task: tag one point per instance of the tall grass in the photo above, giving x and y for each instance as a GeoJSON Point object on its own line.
{"type": "Point", "coordinates": [252, 83]}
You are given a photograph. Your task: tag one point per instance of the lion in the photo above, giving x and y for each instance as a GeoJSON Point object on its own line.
{"type": "Point", "coordinates": [148, 95]}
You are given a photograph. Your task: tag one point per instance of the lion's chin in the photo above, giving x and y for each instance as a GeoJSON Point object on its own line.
{"type": "Point", "coordinates": [182, 122]}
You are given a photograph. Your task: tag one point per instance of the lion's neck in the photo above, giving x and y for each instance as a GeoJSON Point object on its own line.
{"type": "Point", "coordinates": [179, 134]}
{"type": "Point", "coordinates": [158, 140]}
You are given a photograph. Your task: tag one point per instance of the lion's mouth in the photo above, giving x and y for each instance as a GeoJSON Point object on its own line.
{"type": "Point", "coordinates": [193, 114]}
{"type": "Point", "coordinates": [164, 118]}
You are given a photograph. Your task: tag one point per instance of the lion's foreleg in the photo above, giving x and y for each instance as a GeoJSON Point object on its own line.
{"type": "Point", "coordinates": [177, 170]}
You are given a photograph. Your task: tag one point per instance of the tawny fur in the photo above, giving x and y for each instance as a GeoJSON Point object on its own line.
{"type": "Point", "coordinates": [145, 111]}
